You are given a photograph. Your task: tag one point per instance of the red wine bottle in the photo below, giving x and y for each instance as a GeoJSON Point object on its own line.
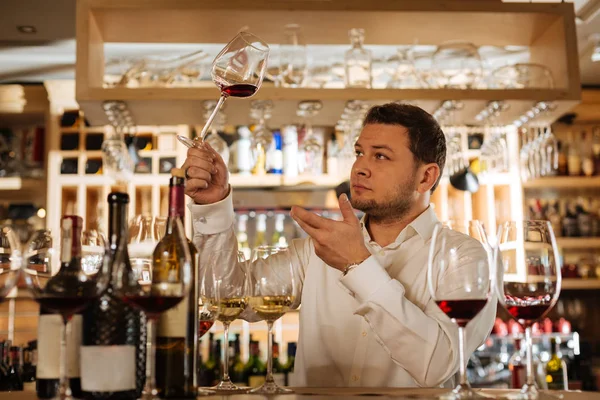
{"type": "Point", "coordinates": [113, 347]}
{"type": "Point", "coordinates": [177, 328]}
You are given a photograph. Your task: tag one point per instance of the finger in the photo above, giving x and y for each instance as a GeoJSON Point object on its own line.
{"type": "Point", "coordinates": [198, 173]}
{"type": "Point", "coordinates": [347, 210]}
{"type": "Point", "coordinates": [310, 218]}
{"type": "Point", "coordinates": [213, 152]}
{"type": "Point", "coordinates": [312, 232]}
{"type": "Point", "coordinates": [193, 185]}
{"type": "Point", "coordinates": [201, 153]}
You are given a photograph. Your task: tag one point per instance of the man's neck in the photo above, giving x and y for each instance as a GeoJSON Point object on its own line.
{"type": "Point", "coordinates": [385, 231]}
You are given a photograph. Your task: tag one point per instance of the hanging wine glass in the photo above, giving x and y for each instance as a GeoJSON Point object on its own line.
{"type": "Point", "coordinates": [293, 57]}
{"type": "Point", "coordinates": [312, 161]}
{"type": "Point", "coordinates": [261, 111]}
{"type": "Point", "coordinates": [238, 71]}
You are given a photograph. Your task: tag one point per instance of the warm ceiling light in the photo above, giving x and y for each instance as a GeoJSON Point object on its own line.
{"type": "Point", "coordinates": [27, 29]}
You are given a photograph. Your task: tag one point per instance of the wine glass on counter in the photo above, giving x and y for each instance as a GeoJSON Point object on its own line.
{"type": "Point", "coordinates": [10, 260]}
{"type": "Point", "coordinates": [272, 293]}
{"type": "Point", "coordinates": [238, 70]}
{"type": "Point", "coordinates": [466, 263]}
{"type": "Point", "coordinates": [528, 285]}
{"type": "Point", "coordinates": [168, 284]}
{"type": "Point", "coordinates": [71, 289]}
{"type": "Point", "coordinates": [145, 231]}
{"type": "Point", "coordinates": [233, 299]}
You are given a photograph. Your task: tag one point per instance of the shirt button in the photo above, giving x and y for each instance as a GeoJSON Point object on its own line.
{"type": "Point", "coordinates": [364, 334]}
{"type": "Point", "coordinates": [355, 378]}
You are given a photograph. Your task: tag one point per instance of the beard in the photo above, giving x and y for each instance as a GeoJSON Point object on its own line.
{"type": "Point", "coordinates": [394, 206]}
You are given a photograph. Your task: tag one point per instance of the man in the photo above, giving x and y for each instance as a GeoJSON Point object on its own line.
{"type": "Point", "coordinates": [367, 317]}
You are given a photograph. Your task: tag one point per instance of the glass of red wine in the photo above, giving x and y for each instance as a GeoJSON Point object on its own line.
{"type": "Point", "coordinates": [459, 278]}
{"type": "Point", "coordinates": [233, 295]}
{"type": "Point", "coordinates": [529, 281]}
{"type": "Point", "coordinates": [10, 260]}
{"type": "Point", "coordinates": [238, 71]}
{"type": "Point", "coordinates": [165, 287]}
{"type": "Point", "coordinates": [68, 291]}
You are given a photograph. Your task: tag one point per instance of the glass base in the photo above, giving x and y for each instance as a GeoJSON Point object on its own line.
{"type": "Point", "coordinates": [204, 392]}
{"type": "Point", "coordinates": [270, 388]}
{"type": "Point", "coordinates": [531, 392]}
{"type": "Point", "coordinates": [462, 392]}
{"type": "Point", "coordinates": [228, 386]}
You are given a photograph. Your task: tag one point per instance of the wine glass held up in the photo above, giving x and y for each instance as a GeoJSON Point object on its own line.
{"type": "Point", "coordinates": [272, 293]}
{"type": "Point", "coordinates": [459, 276]}
{"type": "Point", "coordinates": [238, 71]}
{"type": "Point", "coordinates": [529, 284]}
{"type": "Point", "coordinates": [71, 289]}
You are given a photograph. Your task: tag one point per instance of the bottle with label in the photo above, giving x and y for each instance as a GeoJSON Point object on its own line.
{"type": "Point", "coordinates": [275, 155]}
{"type": "Point", "coordinates": [516, 366]}
{"type": "Point", "coordinates": [357, 61]}
{"type": "Point", "coordinates": [278, 369]}
{"type": "Point", "coordinates": [278, 238]}
{"type": "Point", "coordinates": [15, 370]}
{"type": "Point", "coordinates": [261, 230]}
{"type": "Point", "coordinates": [289, 365]}
{"type": "Point", "coordinates": [255, 369]}
{"type": "Point", "coordinates": [563, 162]}
{"type": "Point", "coordinates": [178, 327]}
{"type": "Point", "coordinates": [236, 372]}
{"type": "Point", "coordinates": [574, 158]}
{"type": "Point", "coordinates": [243, 151]}
{"type": "Point", "coordinates": [113, 350]}
{"type": "Point", "coordinates": [290, 151]}
{"type": "Point", "coordinates": [556, 368]}
{"type": "Point", "coordinates": [587, 157]}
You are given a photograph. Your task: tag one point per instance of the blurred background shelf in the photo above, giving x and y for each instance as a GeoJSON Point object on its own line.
{"type": "Point", "coordinates": [578, 243]}
{"type": "Point", "coordinates": [581, 284]}
{"type": "Point", "coordinates": [563, 182]}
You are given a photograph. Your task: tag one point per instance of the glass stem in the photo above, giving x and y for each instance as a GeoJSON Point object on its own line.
{"type": "Point", "coordinates": [461, 355]}
{"type": "Point", "coordinates": [64, 389]}
{"type": "Point", "coordinates": [150, 386]}
{"type": "Point", "coordinates": [225, 377]}
{"type": "Point", "coordinates": [530, 378]}
{"type": "Point", "coordinates": [212, 116]}
{"type": "Point", "coordinates": [269, 377]}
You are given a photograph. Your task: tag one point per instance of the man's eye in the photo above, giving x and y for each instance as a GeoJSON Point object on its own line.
{"type": "Point", "coordinates": [380, 156]}
{"type": "Point", "coordinates": [358, 153]}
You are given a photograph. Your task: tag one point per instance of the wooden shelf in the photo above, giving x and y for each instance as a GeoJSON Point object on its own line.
{"type": "Point", "coordinates": [564, 182]}
{"type": "Point", "coordinates": [580, 284]}
{"type": "Point", "coordinates": [578, 243]}
{"type": "Point", "coordinates": [16, 183]}
{"type": "Point", "coordinates": [547, 29]}
{"type": "Point", "coordinates": [22, 101]}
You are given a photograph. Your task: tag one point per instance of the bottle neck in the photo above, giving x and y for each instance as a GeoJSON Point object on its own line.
{"type": "Point", "coordinates": [70, 241]}
{"type": "Point", "coordinates": [117, 222]}
{"type": "Point", "coordinates": [176, 202]}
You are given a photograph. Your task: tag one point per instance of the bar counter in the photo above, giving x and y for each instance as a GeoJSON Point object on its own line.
{"type": "Point", "coordinates": [345, 393]}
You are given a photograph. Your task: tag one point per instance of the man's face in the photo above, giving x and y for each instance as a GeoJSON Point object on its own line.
{"type": "Point", "coordinates": [383, 180]}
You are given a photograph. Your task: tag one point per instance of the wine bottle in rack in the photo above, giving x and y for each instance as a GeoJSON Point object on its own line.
{"type": "Point", "coordinates": [113, 347]}
{"type": "Point", "coordinates": [178, 327]}
{"type": "Point", "coordinates": [48, 354]}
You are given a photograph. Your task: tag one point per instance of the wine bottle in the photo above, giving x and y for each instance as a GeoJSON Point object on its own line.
{"type": "Point", "coordinates": [178, 327]}
{"type": "Point", "coordinates": [113, 347]}
{"type": "Point", "coordinates": [289, 365]}
{"type": "Point", "coordinates": [278, 370]}
{"type": "Point", "coordinates": [15, 371]}
{"type": "Point", "coordinates": [207, 372]}
{"type": "Point", "coordinates": [556, 368]}
{"type": "Point", "coordinates": [255, 368]}
{"type": "Point", "coordinates": [29, 365]}
{"type": "Point", "coordinates": [236, 371]}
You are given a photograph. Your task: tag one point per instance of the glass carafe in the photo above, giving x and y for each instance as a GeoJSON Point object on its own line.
{"type": "Point", "coordinates": [357, 61]}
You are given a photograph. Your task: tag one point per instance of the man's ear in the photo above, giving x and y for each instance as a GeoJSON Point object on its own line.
{"type": "Point", "coordinates": [428, 176]}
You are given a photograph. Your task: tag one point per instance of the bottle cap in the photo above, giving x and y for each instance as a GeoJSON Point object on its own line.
{"type": "Point", "coordinates": [178, 172]}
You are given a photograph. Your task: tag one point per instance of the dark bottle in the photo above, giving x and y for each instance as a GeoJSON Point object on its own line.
{"type": "Point", "coordinates": [4, 383]}
{"type": "Point", "coordinates": [177, 330]}
{"type": "Point", "coordinates": [278, 369]}
{"type": "Point", "coordinates": [289, 365]}
{"type": "Point", "coordinates": [236, 372]}
{"type": "Point", "coordinates": [216, 373]}
{"type": "Point", "coordinates": [48, 354]}
{"type": "Point", "coordinates": [15, 370]}
{"type": "Point", "coordinates": [255, 369]}
{"type": "Point", "coordinates": [113, 347]}
{"type": "Point", "coordinates": [207, 371]}
{"type": "Point", "coordinates": [556, 368]}
{"type": "Point", "coordinates": [29, 365]}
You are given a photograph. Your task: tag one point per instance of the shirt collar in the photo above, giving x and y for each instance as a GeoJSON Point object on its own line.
{"type": "Point", "coordinates": [423, 226]}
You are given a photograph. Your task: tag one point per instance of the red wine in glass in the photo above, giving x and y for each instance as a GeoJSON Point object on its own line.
{"type": "Point", "coordinates": [203, 327]}
{"type": "Point", "coordinates": [239, 90]}
{"type": "Point", "coordinates": [528, 314]}
{"type": "Point", "coordinates": [66, 306]}
{"type": "Point", "coordinates": [462, 311]}
{"type": "Point", "coordinates": [153, 305]}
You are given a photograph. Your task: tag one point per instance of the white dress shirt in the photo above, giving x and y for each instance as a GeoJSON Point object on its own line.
{"type": "Point", "coordinates": [378, 325]}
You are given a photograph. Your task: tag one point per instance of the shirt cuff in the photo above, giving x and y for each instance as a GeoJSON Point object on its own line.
{"type": "Point", "coordinates": [209, 219]}
{"type": "Point", "coordinates": [366, 279]}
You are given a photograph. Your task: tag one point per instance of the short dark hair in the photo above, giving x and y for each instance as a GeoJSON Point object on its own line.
{"type": "Point", "coordinates": [427, 141]}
